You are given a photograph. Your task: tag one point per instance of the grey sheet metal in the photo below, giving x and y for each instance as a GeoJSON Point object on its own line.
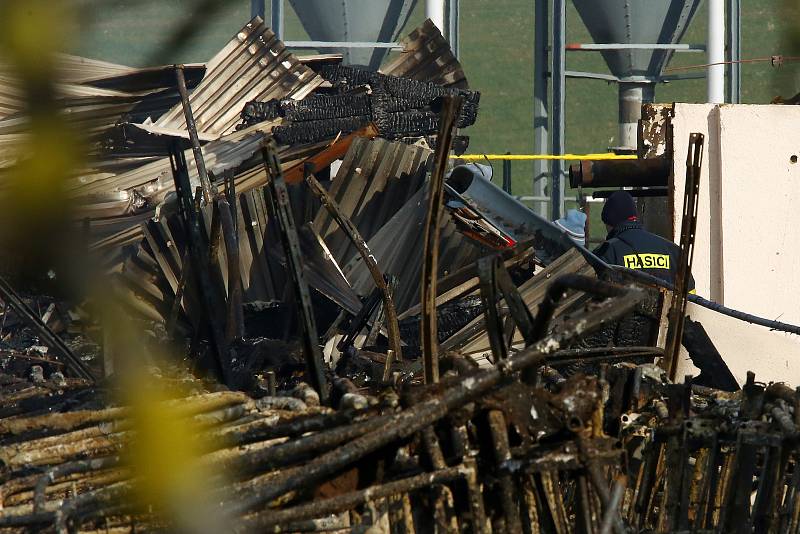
{"type": "Point", "coordinates": [153, 273]}
{"type": "Point", "coordinates": [375, 180]}
{"type": "Point", "coordinates": [506, 213]}
{"type": "Point", "coordinates": [397, 248]}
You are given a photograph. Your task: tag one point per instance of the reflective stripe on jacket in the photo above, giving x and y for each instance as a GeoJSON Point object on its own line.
{"type": "Point", "coordinates": [631, 246]}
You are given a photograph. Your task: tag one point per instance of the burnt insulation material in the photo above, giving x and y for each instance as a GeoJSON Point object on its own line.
{"type": "Point", "coordinates": [315, 131]}
{"type": "Point", "coordinates": [345, 78]}
{"type": "Point", "coordinates": [398, 107]}
{"type": "Point", "coordinates": [319, 107]}
{"type": "Point", "coordinates": [255, 112]}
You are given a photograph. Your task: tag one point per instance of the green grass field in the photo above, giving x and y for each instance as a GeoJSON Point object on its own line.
{"type": "Point", "coordinates": [496, 51]}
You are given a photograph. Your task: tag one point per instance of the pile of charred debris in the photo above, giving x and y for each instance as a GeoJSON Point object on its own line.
{"type": "Point", "coordinates": [362, 336]}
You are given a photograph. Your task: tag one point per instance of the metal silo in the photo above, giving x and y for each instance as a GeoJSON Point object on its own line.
{"type": "Point", "coordinates": [363, 21]}
{"type": "Point", "coordinates": [625, 25]}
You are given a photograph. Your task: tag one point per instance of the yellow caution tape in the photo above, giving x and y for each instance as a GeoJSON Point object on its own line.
{"type": "Point", "coordinates": [530, 157]}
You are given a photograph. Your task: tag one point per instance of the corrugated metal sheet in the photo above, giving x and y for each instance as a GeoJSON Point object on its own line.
{"type": "Point", "coordinates": [152, 181]}
{"type": "Point", "coordinates": [427, 56]}
{"type": "Point", "coordinates": [115, 215]}
{"type": "Point", "coordinates": [380, 188]}
{"type": "Point", "coordinates": [397, 247]}
{"type": "Point", "coordinates": [153, 273]}
{"type": "Point", "coordinates": [375, 180]}
{"type": "Point", "coordinates": [254, 65]}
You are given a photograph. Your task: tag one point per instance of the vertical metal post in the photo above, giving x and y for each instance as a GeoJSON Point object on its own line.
{"type": "Point", "coordinates": [453, 24]}
{"type": "Point", "coordinates": [716, 51]}
{"type": "Point", "coordinates": [541, 39]}
{"type": "Point", "coordinates": [429, 338]}
{"type": "Point", "coordinates": [276, 14]}
{"type": "Point", "coordinates": [559, 105]}
{"type": "Point", "coordinates": [278, 201]}
{"type": "Point", "coordinates": [733, 34]}
{"type": "Point", "coordinates": [209, 191]}
{"type": "Point", "coordinates": [507, 175]}
{"type": "Point", "coordinates": [434, 10]}
{"type": "Point", "coordinates": [257, 9]}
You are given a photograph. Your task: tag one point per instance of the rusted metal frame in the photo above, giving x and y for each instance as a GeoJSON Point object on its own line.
{"type": "Point", "coordinates": [708, 486]}
{"type": "Point", "coordinates": [289, 452]}
{"type": "Point", "coordinates": [434, 451]}
{"type": "Point", "coordinates": [234, 325]}
{"type": "Point", "coordinates": [477, 514]}
{"type": "Point", "coordinates": [321, 507]}
{"type": "Point", "coordinates": [430, 252]}
{"type": "Point", "coordinates": [613, 505]}
{"type": "Point", "coordinates": [198, 253]}
{"type": "Point", "coordinates": [502, 455]}
{"type": "Point", "coordinates": [71, 468]}
{"type": "Point", "coordinates": [694, 161]}
{"type": "Point", "coordinates": [523, 319]}
{"type": "Point", "coordinates": [417, 417]}
{"type": "Point", "coordinates": [279, 199]}
{"type": "Point", "coordinates": [400, 518]}
{"type": "Point", "coordinates": [598, 479]}
{"type": "Point", "coordinates": [554, 502]}
{"type": "Point", "coordinates": [176, 303]}
{"type": "Point", "coordinates": [582, 506]}
{"type": "Point", "coordinates": [299, 426]}
{"type": "Point", "coordinates": [360, 320]}
{"type": "Point", "coordinates": [545, 518]}
{"type": "Point", "coordinates": [790, 513]}
{"type": "Point", "coordinates": [350, 230]}
{"type": "Point", "coordinates": [209, 191]}
{"type": "Point", "coordinates": [48, 337]}
{"type": "Point", "coordinates": [735, 513]}
{"type": "Point", "coordinates": [675, 514]}
{"type": "Point", "coordinates": [491, 317]}
{"type": "Point", "coordinates": [380, 317]}
{"type": "Point", "coordinates": [769, 480]}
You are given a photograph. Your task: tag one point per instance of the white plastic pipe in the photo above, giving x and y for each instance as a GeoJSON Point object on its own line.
{"type": "Point", "coordinates": [434, 10]}
{"type": "Point", "coordinates": [716, 51]}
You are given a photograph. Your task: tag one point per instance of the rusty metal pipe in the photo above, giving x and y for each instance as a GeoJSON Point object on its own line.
{"type": "Point", "coordinates": [272, 518]}
{"type": "Point", "coordinates": [350, 230]}
{"type": "Point", "coordinates": [208, 189]}
{"type": "Point", "coordinates": [651, 172]}
{"type": "Point", "coordinates": [430, 256]}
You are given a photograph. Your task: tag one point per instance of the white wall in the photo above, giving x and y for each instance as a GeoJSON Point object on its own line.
{"type": "Point", "coordinates": [747, 246]}
{"type": "Point", "coordinates": [772, 356]}
{"type": "Point", "coordinates": [688, 119]}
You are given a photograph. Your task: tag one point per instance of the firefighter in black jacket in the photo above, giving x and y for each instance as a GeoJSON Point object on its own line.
{"type": "Point", "coordinates": [630, 245]}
